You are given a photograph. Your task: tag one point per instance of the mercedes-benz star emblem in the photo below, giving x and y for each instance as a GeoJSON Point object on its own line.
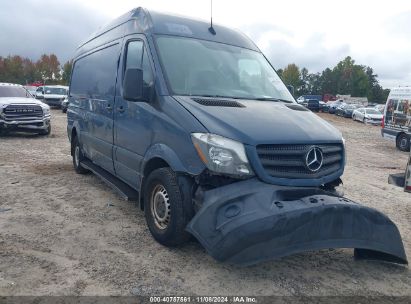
{"type": "Point", "coordinates": [314, 159]}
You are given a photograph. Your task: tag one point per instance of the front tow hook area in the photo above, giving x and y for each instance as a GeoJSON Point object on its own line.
{"type": "Point", "coordinates": [250, 221]}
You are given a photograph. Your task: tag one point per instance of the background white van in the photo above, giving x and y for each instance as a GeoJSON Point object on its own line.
{"type": "Point", "coordinates": [396, 123]}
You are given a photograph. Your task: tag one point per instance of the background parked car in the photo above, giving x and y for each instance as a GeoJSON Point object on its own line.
{"type": "Point", "coordinates": [52, 95]}
{"type": "Point", "coordinates": [368, 115]}
{"type": "Point", "coordinates": [334, 105]}
{"type": "Point", "coordinates": [380, 108]}
{"type": "Point", "coordinates": [19, 111]}
{"type": "Point", "coordinates": [324, 107]}
{"type": "Point", "coordinates": [346, 110]}
{"type": "Point", "coordinates": [313, 105]}
{"type": "Point", "coordinates": [340, 108]}
{"type": "Point", "coordinates": [64, 105]}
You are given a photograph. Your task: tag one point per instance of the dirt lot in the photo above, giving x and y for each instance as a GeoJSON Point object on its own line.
{"type": "Point", "coordinates": [68, 234]}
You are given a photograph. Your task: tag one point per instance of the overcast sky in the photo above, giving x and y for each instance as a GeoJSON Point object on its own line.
{"type": "Point", "coordinates": [315, 34]}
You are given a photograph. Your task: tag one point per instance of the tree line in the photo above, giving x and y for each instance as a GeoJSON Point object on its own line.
{"type": "Point", "coordinates": [346, 78]}
{"type": "Point", "coordinates": [47, 69]}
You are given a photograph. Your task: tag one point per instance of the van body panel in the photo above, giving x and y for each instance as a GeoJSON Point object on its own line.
{"type": "Point", "coordinates": [284, 155]}
{"type": "Point", "coordinates": [94, 100]}
{"type": "Point", "coordinates": [182, 26]}
{"type": "Point", "coordinates": [262, 122]}
{"type": "Point", "coordinates": [141, 21]}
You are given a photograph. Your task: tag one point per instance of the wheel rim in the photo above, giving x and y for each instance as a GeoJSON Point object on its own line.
{"type": "Point", "coordinates": [403, 142]}
{"type": "Point", "coordinates": [77, 156]}
{"type": "Point", "coordinates": [160, 207]}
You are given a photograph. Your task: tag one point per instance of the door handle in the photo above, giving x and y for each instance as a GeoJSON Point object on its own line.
{"type": "Point", "coordinates": [121, 109]}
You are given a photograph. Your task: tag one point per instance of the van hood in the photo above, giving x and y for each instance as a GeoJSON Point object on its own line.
{"type": "Point", "coordinates": [259, 122]}
{"type": "Point", "coordinates": [5, 101]}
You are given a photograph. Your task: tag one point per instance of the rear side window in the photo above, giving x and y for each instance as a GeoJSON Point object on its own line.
{"type": "Point", "coordinates": [136, 57]}
{"type": "Point", "coordinates": [94, 76]}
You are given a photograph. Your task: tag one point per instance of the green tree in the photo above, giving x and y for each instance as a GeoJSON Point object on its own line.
{"type": "Point", "coordinates": [314, 84]}
{"type": "Point", "coordinates": [327, 82]}
{"type": "Point", "coordinates": [66, 74]}
{"type": "Point", "coordinates": [291, 76]}
{"type": "Point", "coordinates": [280, 72]}
{"type": "Point", "coordinates": [304, 82]}
{"type": "Point", "coordinates": [360, 86]}
{"type": "Point", "coordinates": [12, 69]}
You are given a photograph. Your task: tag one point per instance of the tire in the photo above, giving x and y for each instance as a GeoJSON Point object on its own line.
{"type": "Point", "coordinates": [78, 156]}
{"type": "Point", "coordinates": [403, 142]}
{"type": "Point", "coordinates": [363, 120]}
{"type": "Point", "coordinates": [47, 131]}
{"type": "Point", "coordinates": [64, 110]}
{"type": "Point", "coordinates": [167, 207]}
{"type": "Point", "coordinates": [354, 118]}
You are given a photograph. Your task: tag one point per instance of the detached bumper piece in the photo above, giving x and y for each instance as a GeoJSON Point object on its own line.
{"type": "Point", "coordinates": [250, 221]}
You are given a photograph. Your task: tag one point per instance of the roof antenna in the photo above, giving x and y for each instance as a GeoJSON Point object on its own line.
{"type": "Point", "coordinates": [211, 29]}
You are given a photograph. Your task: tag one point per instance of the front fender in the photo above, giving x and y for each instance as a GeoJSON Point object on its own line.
{"type": "Point", "coordinates": [189, 166]}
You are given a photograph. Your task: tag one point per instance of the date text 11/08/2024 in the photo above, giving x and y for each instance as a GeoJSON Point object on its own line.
{"type": "Point", "coordinates": [203, 299]}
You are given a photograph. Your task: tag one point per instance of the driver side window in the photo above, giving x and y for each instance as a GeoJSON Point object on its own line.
{"type": "Point", "coordinates": [136, 57]}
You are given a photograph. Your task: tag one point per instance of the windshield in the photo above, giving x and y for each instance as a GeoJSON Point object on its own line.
{"type": "Point", "coordinates": [204, 68]}
{"type": "Point", "coordinates": [372, 111]}
{"type": "Point", "coordinates": [14, 91]}
{"type": "Point", "coordinates": [56, 91]}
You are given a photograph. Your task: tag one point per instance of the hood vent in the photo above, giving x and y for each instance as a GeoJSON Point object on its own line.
{"type": "Point", "coordinates": [296, 107]}
{"type": "Point", "coordinates": [218, 103]}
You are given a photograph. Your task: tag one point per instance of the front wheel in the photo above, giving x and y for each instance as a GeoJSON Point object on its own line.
{"type": "Point", "coordinates": [403, 142]}
{"type": "Point", "coordinates": [167, 209]}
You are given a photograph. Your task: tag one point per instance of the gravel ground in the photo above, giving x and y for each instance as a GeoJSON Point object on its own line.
{"type": "Point", "coordinates": [68, 234]}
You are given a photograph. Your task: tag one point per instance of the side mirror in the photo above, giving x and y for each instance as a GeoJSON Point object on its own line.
{"type": "Point", "coordinates": [133, 85]}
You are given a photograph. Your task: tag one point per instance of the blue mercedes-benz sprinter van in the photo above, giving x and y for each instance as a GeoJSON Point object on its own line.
{"type": "Point", "coordinates": [194, 124]}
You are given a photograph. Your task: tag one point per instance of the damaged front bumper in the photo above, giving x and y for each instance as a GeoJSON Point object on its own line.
{"type": "Point", "coordinates": [26, 125]}
{"type": "Point", "coordinates": [251, 221]}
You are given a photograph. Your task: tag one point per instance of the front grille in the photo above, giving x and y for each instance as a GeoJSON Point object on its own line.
{"type": "Point", "coordinates": [22, 112]}
{"type": "Point", "coordinates": [289, 161]}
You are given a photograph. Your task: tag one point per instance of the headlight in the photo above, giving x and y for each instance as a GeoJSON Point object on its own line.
{"type": "Point", "coordinates": [222, 155]}
{"type": "Point", "coordinates": [46, 111]}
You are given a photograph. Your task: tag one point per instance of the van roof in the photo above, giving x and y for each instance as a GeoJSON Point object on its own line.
{"type": "Point", "coordinates": [140, 20]}
{"type": "Point", "coordinates": [400, 92]}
